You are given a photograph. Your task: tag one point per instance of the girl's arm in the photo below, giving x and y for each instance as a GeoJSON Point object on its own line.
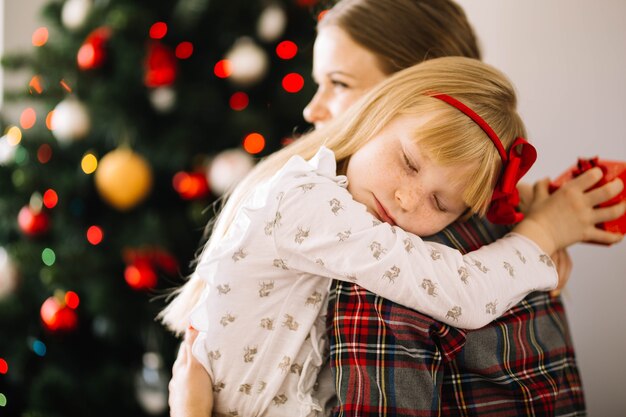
{"type": "Point", "coordinates": [321, 230]}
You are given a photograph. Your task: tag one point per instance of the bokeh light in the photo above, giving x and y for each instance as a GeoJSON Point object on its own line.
{"type": "Point", "coordinates": [50, 198]}
{"type": "Point", "coordinates": [72, 300]}
{"type": "Point", "coordinates": [21, 156]}
{"type": "Point", "coordinates": [14, 136]}
{"type": "Point", "coordinates": [158, 30]}
{"type": "Point", "coordinates": [39, 348]}
{"type": "Point", "coordinates": [95, 235]}
{"type": "Point", "coordinates": [254, 143]}
{"type": "Point", "coordinates": [4, 366]}
{"type": "Point", "coordinates": [65, 86]}
{"type": "Point", "coordinates": [44, 153]}
{"type": "Point", "coordinates": [36, 84]}
{"type": "Point", "coordinates": [223, 68]}
{"type": "Point", "coordinates": [293, 82]}
{"type": "Point", "coordinates": [239, 101]}
{"type": "Point", "coordinates": [48, 256]}
{"type": "Point", "coordinates": [87, 56]}
{"type": "Point", "coordinates": [40, 36]}
{"type": "Point", "coordinates": [49, 119]}
{"type": "Point", "coordinates": [286, 50]}
{"type": "Point", "coordinates": [184, 50]}
{"type": "Point", "coordinates": [3, 400]}
{"type": "Point", "coordinates": [89, 163]}
{"type": "Point", "coordinates": [140, 276]}
{"type": "Point", "coordinates": [28, 118]}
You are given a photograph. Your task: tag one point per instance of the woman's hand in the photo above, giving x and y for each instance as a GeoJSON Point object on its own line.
{"type": "Point", "coordinates": [563, 264]}
{"type": "Point", "coordinates": [191, 390]}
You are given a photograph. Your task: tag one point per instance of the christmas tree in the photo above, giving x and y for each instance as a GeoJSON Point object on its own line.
{"type": "Point", "coordinates": [137, 116]}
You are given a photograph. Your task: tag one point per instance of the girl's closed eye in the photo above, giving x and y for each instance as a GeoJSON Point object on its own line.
{"type": "Point", "coordinates": [410, 166]}
{"type": "Point", "coordinates": [440, 206]}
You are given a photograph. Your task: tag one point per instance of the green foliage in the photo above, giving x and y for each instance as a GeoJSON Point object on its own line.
{"type": "Point", "coordinates": [93, 369]}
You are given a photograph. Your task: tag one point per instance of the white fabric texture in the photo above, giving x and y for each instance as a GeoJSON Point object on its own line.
{"type": "Point", "coordinates": [262, 316]}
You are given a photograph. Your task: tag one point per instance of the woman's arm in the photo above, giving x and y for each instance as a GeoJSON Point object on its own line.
{"type": "Point", "coordinates": [190, 389]}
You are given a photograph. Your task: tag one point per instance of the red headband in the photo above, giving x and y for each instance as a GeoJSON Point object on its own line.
{"type": "Point", "coordinates": [515, 163]}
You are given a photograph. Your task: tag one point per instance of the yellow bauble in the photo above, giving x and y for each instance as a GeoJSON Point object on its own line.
{"type": "Point", "coordinates": [123, 178]}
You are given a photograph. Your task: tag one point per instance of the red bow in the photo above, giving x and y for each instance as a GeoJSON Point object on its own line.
{"type": "Point", "coordinates": [505, 199]}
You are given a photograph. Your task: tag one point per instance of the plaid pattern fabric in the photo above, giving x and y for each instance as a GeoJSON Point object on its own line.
{"type": "Point", "coordinates": [388, 360]}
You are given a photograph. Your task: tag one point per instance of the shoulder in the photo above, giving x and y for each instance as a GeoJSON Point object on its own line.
{"type": "Point", "coordinates": [315, 175]}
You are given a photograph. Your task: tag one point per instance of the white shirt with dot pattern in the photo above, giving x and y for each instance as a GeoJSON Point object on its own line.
{"type": "Point", "coordinates": [262, 315]}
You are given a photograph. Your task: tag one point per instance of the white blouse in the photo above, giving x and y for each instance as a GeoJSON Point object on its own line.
{"type": "Point", "coordinates": [262, 315]}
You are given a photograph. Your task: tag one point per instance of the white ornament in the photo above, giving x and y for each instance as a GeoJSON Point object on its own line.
{"type": "Point", "coordinates": [228, 168]}
{"type": "Point", "coordinates": [7, 151]}
{"type": "Point", "coordinates": [249, 63]}
{"type": "Point", "coordinates": [8, 274]}
{"type": "Point", "coordinates": [74, 13]}
{"type": "Point", "coordinates": [163, 99]}
{"type": "Point", "coordinates": [70, 121]}
{"type": "Point", "coordinates": [151, 384]}
{"type": "Point", "coordinates": [271, 23]}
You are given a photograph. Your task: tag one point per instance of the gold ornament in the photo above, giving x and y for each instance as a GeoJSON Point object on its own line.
{"type": "Point", "coordinates": [123, 178]}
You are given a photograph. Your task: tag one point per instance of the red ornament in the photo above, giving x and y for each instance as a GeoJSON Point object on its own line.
{"type": "Point", "coordinates": [33, 223]}
{"type": "Point", "coordinates": [293, 82]}
{"type": "Point", "coordinates": [92, 54]}
{"type": "Point", "coordinates": [140, 275]}
{"type": "Point", "coordinates": [57, 315]}
{"type": "Point", "coordinates": [307, 3]}
{"type": "Point", "coordinates": [143, 266]}
{"type": "Point", "coordinates": [191, 185]}
{"type": "Point", "coordinates": [161, 66]}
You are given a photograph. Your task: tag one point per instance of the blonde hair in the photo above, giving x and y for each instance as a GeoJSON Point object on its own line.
{"type": "Point", "coordinates": [449, 137]}
{"type": "Point", "coordinates": [401, 33]}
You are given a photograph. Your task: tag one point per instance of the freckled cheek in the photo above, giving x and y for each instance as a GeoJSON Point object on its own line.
{"type": "Point", "coordinates": [425, 223]}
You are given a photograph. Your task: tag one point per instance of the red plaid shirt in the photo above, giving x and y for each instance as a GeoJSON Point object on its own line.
{"type": "Point", "coordinates": [388, 360]}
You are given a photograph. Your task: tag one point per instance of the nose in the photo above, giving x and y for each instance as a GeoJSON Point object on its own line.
{"type": "Point", "coordinates": [316, 111]}
{"type": "Point", "coordinates": [408, 198]}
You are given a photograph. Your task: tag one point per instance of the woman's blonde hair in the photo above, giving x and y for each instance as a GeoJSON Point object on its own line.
{"type": "Point", "coordinates": [449, 137]}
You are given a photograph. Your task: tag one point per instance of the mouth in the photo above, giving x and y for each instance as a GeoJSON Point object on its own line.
{"type": "Point", "coordinates": [382, 213]}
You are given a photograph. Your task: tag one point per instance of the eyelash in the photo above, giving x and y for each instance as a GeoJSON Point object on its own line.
{"type": "Point", "coordinates": [336, 83]}
{"type": "Point", "coordinates": [408, 163]}
{"type": "Point", "coordinates": [439, 207]}
{"type": "Point", "coordinates": [413, 169]}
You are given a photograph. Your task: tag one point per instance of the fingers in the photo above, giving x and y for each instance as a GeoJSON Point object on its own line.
{"type": "Point", "coordinates": [606, 214]}
{"type": "Point", "coordinates": [184, 350]}
{"type": "Point", "coordinates": [540, 189]}
{"type": "Point", "coordinates": [587, 179]}
{"type": "Point", "coordinates": [606, 192]}
{"type": "Point", "coordinates": [190, 335]}
{"type": "Point", "coordinates": [602, 236]}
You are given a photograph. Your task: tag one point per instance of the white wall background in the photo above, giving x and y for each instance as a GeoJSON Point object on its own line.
{"type": "Point", "coordinates": [568, 61]}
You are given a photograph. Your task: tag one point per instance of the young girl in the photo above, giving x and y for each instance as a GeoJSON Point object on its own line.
{"type": "Point", "coordinates": [421, 150]}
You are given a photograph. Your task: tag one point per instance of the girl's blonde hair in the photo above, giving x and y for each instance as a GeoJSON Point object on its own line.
{"type": "Point", "coordinates": [449, 137]}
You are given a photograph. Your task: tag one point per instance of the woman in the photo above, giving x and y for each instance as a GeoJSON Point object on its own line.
{"type": "Point", "coordinates": [523, 363]}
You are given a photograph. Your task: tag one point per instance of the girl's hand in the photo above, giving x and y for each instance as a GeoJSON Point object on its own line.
{"type": "Point", "coordinates": [191, 390]}
{"type": "Point", "coordinates": [570, 214]}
